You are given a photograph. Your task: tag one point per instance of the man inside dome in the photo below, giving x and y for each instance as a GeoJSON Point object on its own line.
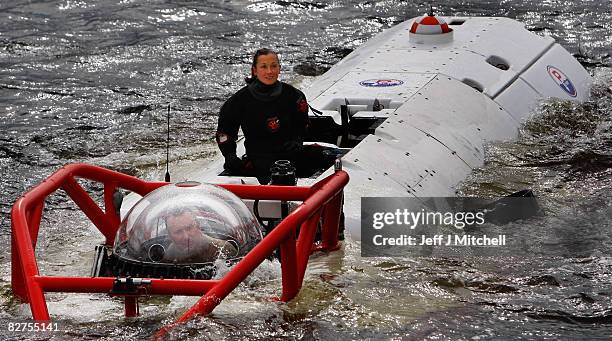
{"type": "Point", "coordinates": [191, 244]}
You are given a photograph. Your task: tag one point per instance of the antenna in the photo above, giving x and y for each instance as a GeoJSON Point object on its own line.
{"type": "Point", "coordinates": [167, 178]}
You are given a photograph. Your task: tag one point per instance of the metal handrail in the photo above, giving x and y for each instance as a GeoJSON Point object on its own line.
{"type": "Point", "coordinates": [321, 204]}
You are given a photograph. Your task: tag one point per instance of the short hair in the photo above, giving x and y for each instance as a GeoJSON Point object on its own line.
{"type": "Point", "coordinates": [179, 211]}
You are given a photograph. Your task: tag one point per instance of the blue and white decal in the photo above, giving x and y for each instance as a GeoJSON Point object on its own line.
{"type": "Point", "coordinates": [381, 83]}
{"type": "Point", "coordinates": [562, 80]}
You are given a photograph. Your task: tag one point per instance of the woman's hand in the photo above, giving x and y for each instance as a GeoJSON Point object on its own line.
{"type": "Point", "coordinates": [233, 164]}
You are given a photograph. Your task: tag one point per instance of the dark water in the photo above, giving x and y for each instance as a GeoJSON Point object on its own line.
{"type": "Point", "coordinates": [85, 81]}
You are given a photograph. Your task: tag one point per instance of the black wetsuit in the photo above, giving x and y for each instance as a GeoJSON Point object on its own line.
{"type": "Point", "coordinates": [274, 119]}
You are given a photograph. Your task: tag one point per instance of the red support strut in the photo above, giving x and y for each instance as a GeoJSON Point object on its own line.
{"type": "Point", "coordinates": [321, 206]}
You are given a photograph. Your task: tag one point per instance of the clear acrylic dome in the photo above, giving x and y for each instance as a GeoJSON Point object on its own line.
{"type": "Point", "coordinates": [188, 223]}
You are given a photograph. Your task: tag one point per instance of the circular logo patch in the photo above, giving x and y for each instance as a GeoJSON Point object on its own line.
{"type": "Point", "coordinates": [273, 124]}
{"type": "Point", "coordinates": [561, 79]}
{"type": "Point", "coordinates": [381, 83]}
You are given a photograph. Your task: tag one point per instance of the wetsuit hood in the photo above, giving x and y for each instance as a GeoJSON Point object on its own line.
{"type": "Point", "coordinates": [263, 92]}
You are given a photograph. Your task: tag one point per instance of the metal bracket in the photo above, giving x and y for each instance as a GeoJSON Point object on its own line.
{"type": "Point", "coordinates": [129, 286]}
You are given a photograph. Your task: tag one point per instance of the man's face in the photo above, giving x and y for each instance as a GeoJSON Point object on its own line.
{"type": "Point", "coordinates": [267, 68]}
{"type": "Point", "coordinates": [183, 229]}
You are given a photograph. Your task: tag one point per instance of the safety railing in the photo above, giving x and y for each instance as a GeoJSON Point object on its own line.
{"type": "Point", "coordinates": [321, 206]}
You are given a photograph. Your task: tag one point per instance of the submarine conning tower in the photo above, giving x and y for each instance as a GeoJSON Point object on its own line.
{"type": "Point", "coordinates": [430, 29]}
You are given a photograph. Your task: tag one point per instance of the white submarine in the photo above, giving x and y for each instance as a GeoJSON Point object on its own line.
{"type": "Point", "coordinates": [411, 110]}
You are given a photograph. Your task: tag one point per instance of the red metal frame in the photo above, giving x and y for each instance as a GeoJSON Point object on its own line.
{"type": "Point", "coordinates": [320, 203]}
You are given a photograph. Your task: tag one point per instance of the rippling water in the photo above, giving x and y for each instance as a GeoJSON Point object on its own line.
{"type": "Point", "coordinates": [88, 81]}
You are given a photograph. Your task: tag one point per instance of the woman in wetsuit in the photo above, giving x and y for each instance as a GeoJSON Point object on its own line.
{"type": "Point", "coordinates": [273, 116]}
